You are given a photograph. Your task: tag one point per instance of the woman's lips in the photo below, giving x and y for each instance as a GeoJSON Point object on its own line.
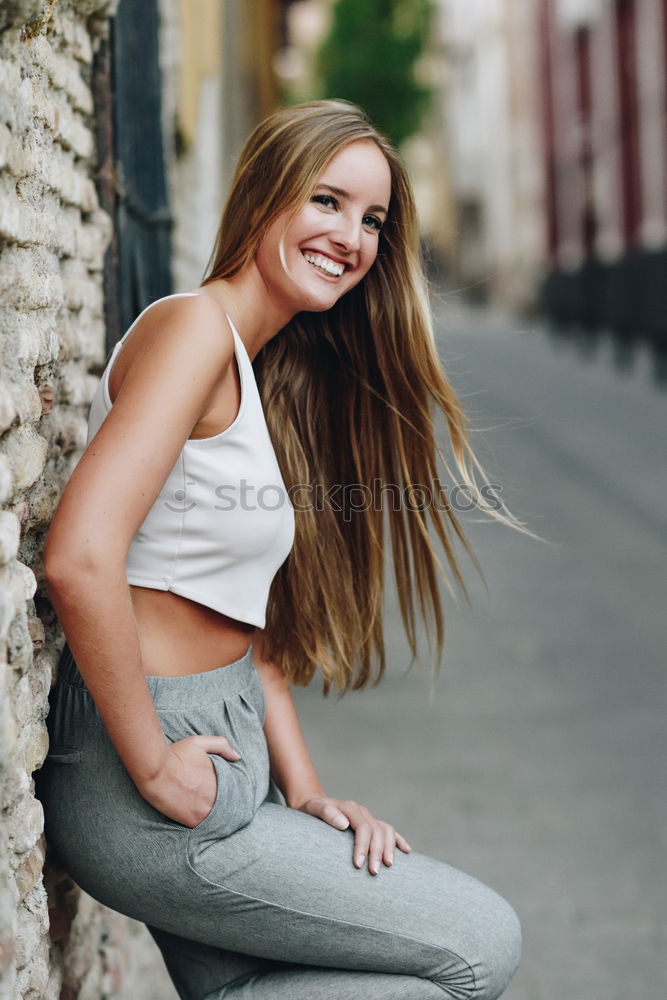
{"type": "Point", "coordinates": [325, 266]}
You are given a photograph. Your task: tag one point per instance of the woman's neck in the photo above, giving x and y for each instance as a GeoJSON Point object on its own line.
{"type": "Point", "coordinates": [254, 312]}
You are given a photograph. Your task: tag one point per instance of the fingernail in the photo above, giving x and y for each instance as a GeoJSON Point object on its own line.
{"type": "Point", "coordinates": [391, 859]}
{"type": "Point", "coordinates": [341, 822]}
{"type": "Point", "coordinates": [360, 860]}
{"type": "Point", "coordinates": [375, 867]}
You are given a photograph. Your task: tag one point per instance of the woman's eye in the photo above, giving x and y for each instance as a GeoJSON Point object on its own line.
{"type": "Point", "coordinates": [373, 222]}
{"type": "Point", "coordinates": [327, 200]}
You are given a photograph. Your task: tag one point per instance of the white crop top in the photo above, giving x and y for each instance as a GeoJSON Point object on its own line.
{"type": "Point", "coordinates": [223, 523]}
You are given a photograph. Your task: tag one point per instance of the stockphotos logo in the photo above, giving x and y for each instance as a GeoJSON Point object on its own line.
{"type": "Point", "coordinates": [347, 498]}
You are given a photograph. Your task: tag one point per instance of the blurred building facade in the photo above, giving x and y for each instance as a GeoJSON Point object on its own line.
{"type": "Point", "coordinates": [180, 86]}
{"type": "Point", "coordinates": [492, 147]}
{"type": "Point", "coordinates": [306, 24]}
{"type": "Point", "coordinates": [604, 83]}
{"type": "Point", "coordinates": [218, 82]}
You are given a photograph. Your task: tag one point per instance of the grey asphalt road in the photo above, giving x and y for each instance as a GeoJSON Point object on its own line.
{"type": "Point", "coordinates": [537, 762]}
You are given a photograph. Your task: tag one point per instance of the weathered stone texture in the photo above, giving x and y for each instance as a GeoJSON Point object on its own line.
{"type": "Point", "coordinates": [55, 941]}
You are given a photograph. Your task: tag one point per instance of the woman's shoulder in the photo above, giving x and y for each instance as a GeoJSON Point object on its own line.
{"type": "Point", "coordinates": [195, 317]}
{"type": "Point", "coordinates": [197, 304]}
{"type": "Point", "coordinates": [190, 327]}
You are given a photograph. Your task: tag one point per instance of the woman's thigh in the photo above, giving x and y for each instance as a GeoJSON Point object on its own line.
{"type": "Point", "coordinates": [283, 887]}
{"type": "Point", "coordinates": [256, 877]}
{"type": "Point", "coordinates": [203, 972]}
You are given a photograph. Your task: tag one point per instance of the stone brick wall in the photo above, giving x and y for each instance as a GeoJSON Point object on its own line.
{"type": "Point", "coordinates": [54, 941]}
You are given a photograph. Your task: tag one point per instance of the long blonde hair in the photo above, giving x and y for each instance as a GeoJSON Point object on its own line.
{"type": "Point", "coordinates": [349, 397]}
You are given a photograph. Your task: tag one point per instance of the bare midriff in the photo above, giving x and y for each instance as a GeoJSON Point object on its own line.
{"type": "Point", "coordinates": [179, 636]}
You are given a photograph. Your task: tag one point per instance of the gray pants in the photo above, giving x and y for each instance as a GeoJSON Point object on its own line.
{"type": "Point", "coordinates": [258, 900]}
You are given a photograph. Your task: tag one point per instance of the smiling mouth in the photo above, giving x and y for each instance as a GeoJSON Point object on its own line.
{"type": "Point", "coordinates": [331, 268]}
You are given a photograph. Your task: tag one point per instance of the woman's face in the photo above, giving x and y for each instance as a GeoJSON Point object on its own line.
{"type": "Point", "coordinates": [332, 242]}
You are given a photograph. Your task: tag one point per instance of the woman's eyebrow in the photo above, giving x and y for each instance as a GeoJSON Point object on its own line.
{"type": "Point", "coordinates": [345, 194]}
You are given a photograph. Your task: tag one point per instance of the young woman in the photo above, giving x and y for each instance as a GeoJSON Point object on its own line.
{"type": "Point", "coordinates": [203, 557]}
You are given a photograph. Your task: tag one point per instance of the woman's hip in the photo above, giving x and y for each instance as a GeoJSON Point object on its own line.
{"type": "Point", "coordinates": [96, 821]}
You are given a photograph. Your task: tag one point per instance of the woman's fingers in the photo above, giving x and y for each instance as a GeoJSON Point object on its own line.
{"type": "Point", "coordinates": [327, 810]}
{"type": "Point", "coordinates": [334, 816]}
{"type": "Point", "coordinates": [389, 845]}
{"type": "Point", "coordinates": [373, 839]}
{"type": "Point", "coordinates": [368, 837]}
{"type": "Point", "coordinates": [217, 744]}
{"type": "Point", "coordinates": [382, 847]}
{"type": "Point", "coordinates": [362, 841]}
{"type": "Point", "coordinates": [402, 843]}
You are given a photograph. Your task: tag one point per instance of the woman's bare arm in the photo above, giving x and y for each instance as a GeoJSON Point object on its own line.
{"type": "Point", "coordinates": [293, 771]}
{"type": "Point", "coordinates": [185, 347]}
{"type": "Point", "coordinates": [291, 766]}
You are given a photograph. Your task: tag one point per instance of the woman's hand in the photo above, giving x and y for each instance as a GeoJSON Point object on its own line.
{"type": "Point", "coordinates": [373, 838]}
{"type": "Point", "coordinates": [185, 787]}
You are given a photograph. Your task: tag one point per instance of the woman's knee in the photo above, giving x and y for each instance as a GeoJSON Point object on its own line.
{"type": "Point", "coordinates": [500, 951]}
{"type": "Point", "coordinates": [487, 955]}
{"type": "Point", "coordinates": [504, 954]}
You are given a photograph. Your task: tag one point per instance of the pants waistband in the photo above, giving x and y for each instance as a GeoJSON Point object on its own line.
{"type": "Point", "coordinates": [176, 692]}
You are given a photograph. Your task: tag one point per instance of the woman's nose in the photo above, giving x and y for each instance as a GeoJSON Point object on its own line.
{"type": "Point", "coordinates": [347, 234]}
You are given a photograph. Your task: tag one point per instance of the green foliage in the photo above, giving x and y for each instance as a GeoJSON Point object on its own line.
{"type": "Point", "coordinates": [369, 57]}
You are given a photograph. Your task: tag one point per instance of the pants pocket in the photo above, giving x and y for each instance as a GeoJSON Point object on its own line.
{"type": "Point", "coordinates": [62, 755]}
{"type": "Point", "coordinates": [242, 784]}
{"type": "Point", "coordinates": [236, 793]}
{"type": "Point", "coordinates": [65, 723]}
{"type": "Point", "coordinates": [215, 760]}
{"type": "Point", "coordinates": [233, 808]}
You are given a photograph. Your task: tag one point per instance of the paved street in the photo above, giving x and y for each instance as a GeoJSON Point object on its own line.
{"type": "Point", "coordinates": [539, 764]}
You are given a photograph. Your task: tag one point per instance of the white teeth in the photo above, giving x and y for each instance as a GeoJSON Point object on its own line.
{"type": "Point", "coordinates": [324, 264]}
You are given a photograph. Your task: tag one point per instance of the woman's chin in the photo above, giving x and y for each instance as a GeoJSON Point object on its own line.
{"type": "Point", "coordinates": [320, 303]}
